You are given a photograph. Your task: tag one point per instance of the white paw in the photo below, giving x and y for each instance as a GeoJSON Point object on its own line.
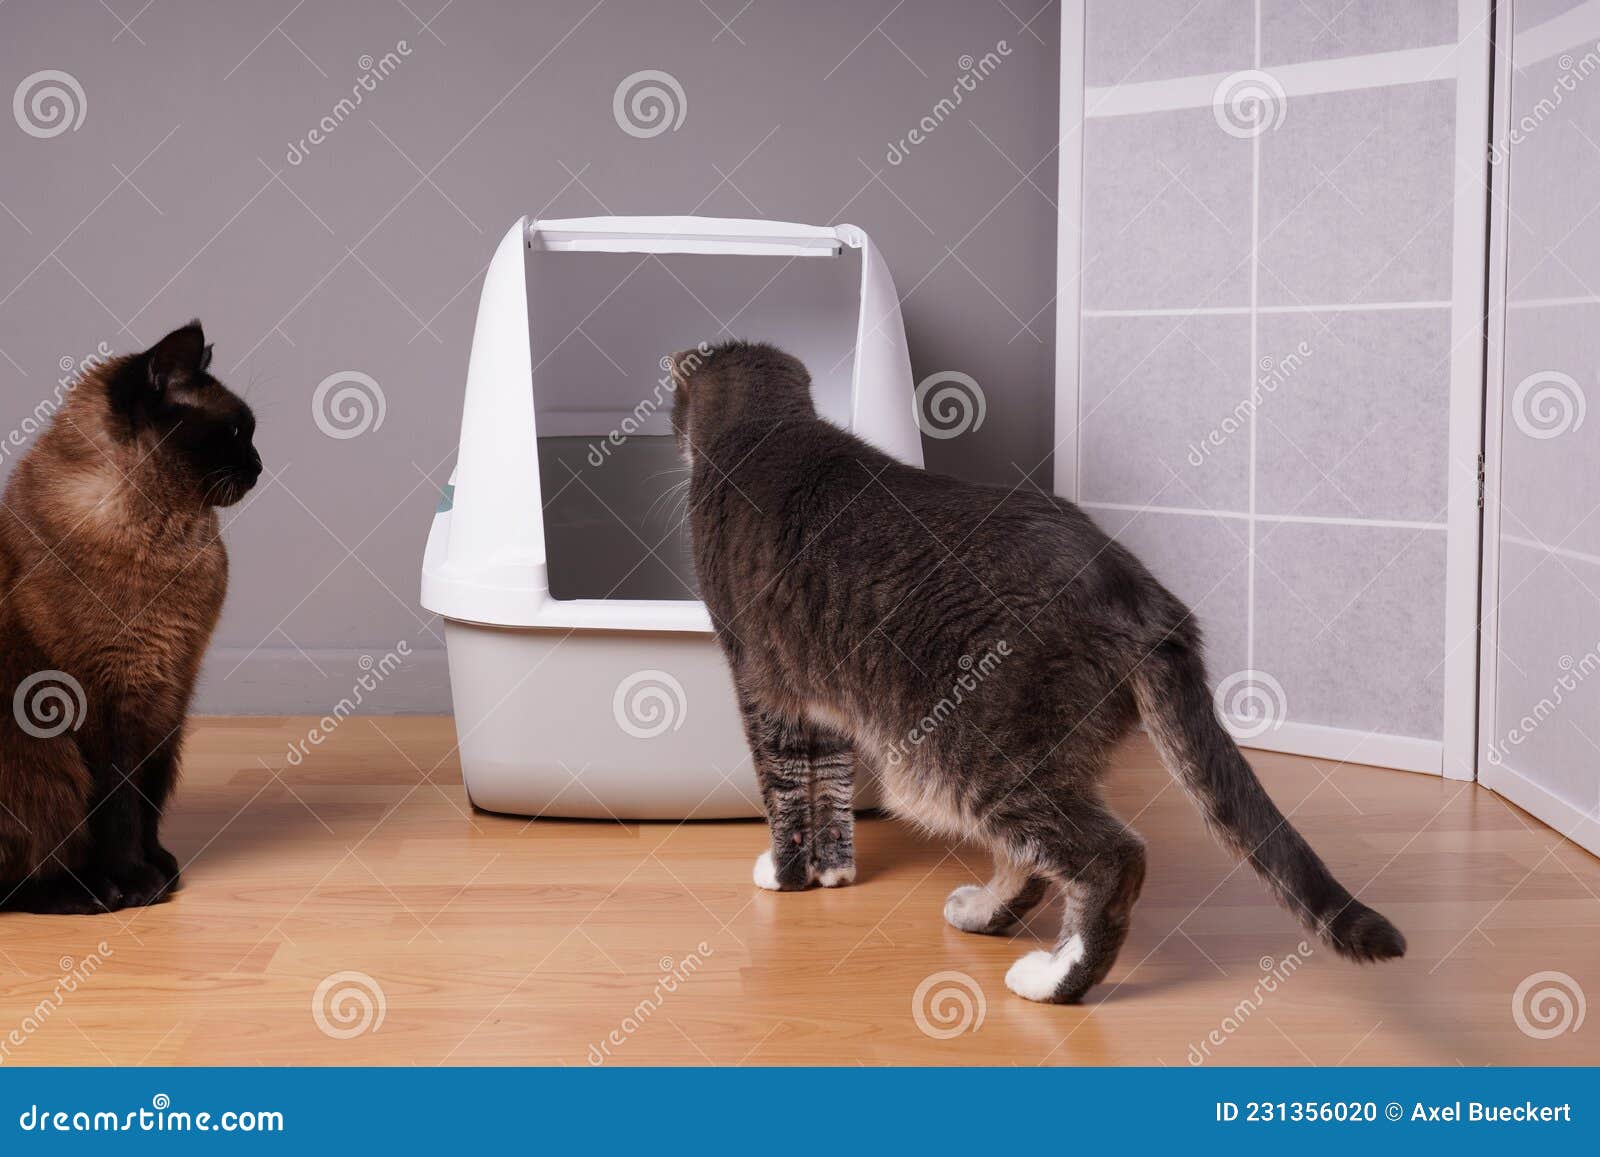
{"type": "Point", "coordinates": [837, 877]}
{"type": "Point", "coordinates": [766, 873]}
{"type": "Point", "coordinates": [1039, 975]}
{"type": "Point", "coordinates": [969, 908]}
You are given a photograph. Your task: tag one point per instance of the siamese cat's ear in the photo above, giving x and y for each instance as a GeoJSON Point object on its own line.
{"type": "Point", "coordinates": [182, 353]}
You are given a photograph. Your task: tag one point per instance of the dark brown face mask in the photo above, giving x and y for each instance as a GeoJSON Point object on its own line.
{"type": "Point", "coordinates": [168, 397]}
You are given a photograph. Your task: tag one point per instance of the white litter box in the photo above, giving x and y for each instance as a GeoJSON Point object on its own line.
{"type": "Point", "coordinates": [585, 676]}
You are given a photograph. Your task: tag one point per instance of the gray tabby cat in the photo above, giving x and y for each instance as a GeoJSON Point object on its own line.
{"type": "Point", "coordinates": [853, 595]}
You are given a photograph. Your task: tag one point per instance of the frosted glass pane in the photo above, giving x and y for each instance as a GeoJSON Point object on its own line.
{"type": "Point", "coordinates": [1166, 212]}
{"type": "Point", "coordinates": [1547, 713]}
{"type": "Point", "coordinates": [1356, 196]}
{"type": "Point", "coordinates": [1349, 620]}
{"type": "Point", "coordinates": [1202, 560]}
{"type": "Point", "coordinates": [1157, 39]}
{"type": "Point", "coordinates": [1294, 30]}
{"type": "Point", "coordinates": [1554, 246]}
{"type": "Point", "coordinates": [1160, 397]}
{"type": "Point", "coordinates": [1551, 443]}
{"type": "Point", "coordinates": [1357, 424]}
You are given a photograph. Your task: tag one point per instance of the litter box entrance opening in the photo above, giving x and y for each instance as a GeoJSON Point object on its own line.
{"type": "Point", "coordinates": [599, 324]}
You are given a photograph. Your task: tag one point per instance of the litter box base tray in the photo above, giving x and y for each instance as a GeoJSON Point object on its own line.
{"type": "Point", "coordinates": [615, 725]}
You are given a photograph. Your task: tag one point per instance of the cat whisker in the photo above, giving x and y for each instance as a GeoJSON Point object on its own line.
{"type": "Point", "coordinates": [667, 499]}
{"type": "Point", "coordinates": [682, 512]}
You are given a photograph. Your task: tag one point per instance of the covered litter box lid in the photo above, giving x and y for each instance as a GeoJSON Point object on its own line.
{"type": "Point", "coordinates": [486, 554]}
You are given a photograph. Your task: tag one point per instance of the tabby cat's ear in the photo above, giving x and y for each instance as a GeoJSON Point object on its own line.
{"type": "Point", "coordinates": [182, 353]}
{"type": "Point", "coordinates": [682, 366]}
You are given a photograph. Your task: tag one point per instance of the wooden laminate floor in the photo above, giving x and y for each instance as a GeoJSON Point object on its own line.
{"type": "Point", "coordinates": [361, 883]}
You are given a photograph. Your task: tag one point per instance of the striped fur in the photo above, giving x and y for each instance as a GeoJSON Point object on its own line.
{"type": "Point", "coordinates": [982, 650]}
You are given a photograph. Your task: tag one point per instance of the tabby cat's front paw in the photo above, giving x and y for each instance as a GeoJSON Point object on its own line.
{"type": "Point", "coordinates": [836, 875]}
{"type": "Point", "coordinates": [796, 875]}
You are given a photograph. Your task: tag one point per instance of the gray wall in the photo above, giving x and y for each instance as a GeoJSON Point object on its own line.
{"type": "Point", "coordinates": [177, 196]}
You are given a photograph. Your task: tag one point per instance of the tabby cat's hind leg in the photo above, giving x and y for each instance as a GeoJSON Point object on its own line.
{"type": "Point", "coordinates": [1100, 867]}
{"type": "Point", "coordinates": [996, 907]}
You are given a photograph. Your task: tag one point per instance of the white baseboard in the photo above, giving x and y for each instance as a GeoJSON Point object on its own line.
{"type": "Point", "coordinates": [283, 681]}
{"type": "Point", "coordinates": [1582, 828]}
{"type": "Point", "coordinates": [1402, 752]}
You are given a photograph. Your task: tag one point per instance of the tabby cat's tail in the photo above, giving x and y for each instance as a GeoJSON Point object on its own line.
{"type": "Point", "coordinates": [1170, 686]}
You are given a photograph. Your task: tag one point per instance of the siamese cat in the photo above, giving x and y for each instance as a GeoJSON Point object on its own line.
{"type": "Point", "coordinates": [112, 577]}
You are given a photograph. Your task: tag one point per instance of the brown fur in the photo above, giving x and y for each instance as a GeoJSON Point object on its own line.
{"type": "Point", "coordinates": [112, 574]}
